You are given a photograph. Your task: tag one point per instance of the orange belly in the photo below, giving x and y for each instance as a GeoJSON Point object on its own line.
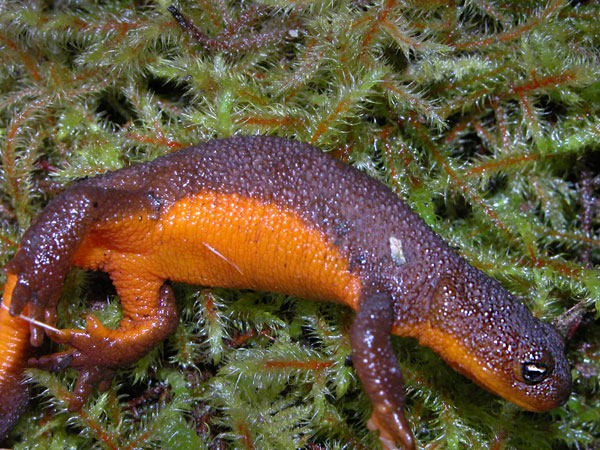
{"type": "Point", "coordinates": [224, 240]}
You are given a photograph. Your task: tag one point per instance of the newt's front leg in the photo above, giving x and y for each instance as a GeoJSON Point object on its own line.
{"type": "Point", "coordinates": [378, 369]}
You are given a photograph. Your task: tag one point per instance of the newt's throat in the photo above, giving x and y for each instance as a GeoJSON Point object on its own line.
{"type": "Point", "coordinates": [471, 365]}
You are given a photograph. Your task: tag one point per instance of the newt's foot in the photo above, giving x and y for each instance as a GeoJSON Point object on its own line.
{"type": "Point", "coordinates": [41, 306]}
{"type": "Point", "coordinates": [97, 351]}
{"type": "Point", "coordinates": [392, 427]}
{"type": "Point", "coordinates": [87, 379]}
{"type": "Point", "coordinates": [90, 354]}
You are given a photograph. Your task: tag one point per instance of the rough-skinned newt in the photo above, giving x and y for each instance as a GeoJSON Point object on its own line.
{"type": "Point", "coordinates": [269, 214]}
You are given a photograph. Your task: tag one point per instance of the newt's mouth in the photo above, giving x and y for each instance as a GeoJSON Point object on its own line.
{"type": "Point", "coordinates": [547, 395]}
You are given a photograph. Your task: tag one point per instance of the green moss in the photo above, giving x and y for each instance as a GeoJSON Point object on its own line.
{"type": "Point", "coordinates": [484, 116]}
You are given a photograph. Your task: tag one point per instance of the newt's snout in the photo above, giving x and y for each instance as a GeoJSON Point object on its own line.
{"type": "Point", "coordinates": [493, 339]}
{"type": "Point", "coordinates": [541, 375]}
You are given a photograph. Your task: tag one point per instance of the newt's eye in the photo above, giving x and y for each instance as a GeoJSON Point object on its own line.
{"type": "Point", "coordinates": [534, 372]}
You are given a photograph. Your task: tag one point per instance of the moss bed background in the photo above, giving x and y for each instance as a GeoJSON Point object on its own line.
{"type": "Point", "coordinates": [483, 115]}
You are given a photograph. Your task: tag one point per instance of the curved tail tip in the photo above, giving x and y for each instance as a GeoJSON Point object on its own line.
{"type": "Point", "coordinates": [13, 402]}
{"type": "Point", "coordinates": [14, 349]}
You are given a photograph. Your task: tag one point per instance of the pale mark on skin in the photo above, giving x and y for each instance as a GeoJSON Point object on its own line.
{"type": "Point", "coordinates": [396, 251]}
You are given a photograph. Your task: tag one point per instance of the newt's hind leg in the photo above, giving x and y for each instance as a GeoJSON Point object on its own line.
{"type": "Point", "coordinates": [378, 369]}
{"type": "Point", "coordinates": [97, 351]}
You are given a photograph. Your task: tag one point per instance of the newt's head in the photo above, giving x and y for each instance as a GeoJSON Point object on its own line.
{"type": "Point", "coordinates": [493, 339]}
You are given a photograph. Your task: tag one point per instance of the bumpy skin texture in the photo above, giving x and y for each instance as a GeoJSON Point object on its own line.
{"type": "Point", "coordinates": [272, 214]}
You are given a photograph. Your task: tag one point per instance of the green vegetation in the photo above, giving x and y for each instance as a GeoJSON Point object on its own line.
{"type": "Point", "coordinates": [483, 115]}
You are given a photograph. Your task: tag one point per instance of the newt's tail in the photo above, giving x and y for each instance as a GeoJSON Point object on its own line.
{"type": "Point", "coordinates": [14, 350]}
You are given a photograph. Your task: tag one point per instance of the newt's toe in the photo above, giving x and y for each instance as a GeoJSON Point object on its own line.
{"type": "Point", "coordinates": [53, 363]}
{"type": "Point", "coordinates": [87, 379]}
{"type": "Point", "coordinates": [393, 429]}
